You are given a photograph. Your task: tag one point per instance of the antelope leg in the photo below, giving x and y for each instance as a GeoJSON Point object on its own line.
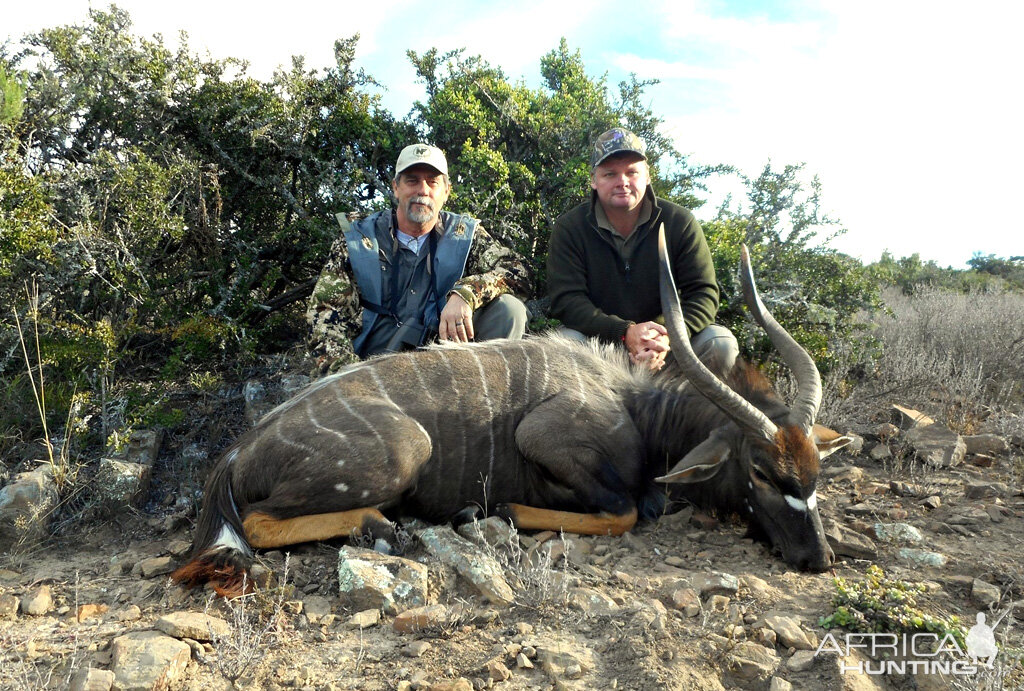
{"type": "Point", "coordinates": [264, 531]}
{"type": "Point", "coordinates": [532, 518]}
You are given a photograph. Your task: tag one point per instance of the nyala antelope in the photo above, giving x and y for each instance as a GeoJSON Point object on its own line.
{"type": "Point", "coordinates": [546, 432]}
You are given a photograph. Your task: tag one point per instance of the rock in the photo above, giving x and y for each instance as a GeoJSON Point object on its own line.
{"type": "Point", "coordinates": [887, 431]}
{"type": "Point", "coordinates": [90, 611]}
{"type": "Point", "coordinates": [779, 684]}
{"type": "Point", "coordinates": [146, 660]}
{"type": "Point", "coordinates": [316, 607]}
{"type": "Point", "coordinates": [254, 393]}
{"type": "Point", "coordinates": [843, 473]}
{"type": "Point", "coordinates": [143, 447]}
{"type": "Point", "coordinates": [291, 384]}
{"type": "Point", "coordinates": [38, 602]}
{"type": "Point", "coordinates": [497, 671]}
{"type": "Point", "coordinates": [932, 502]}
{"type": "Point", "coordinates": [480, 570]}
{"type": "Point", "coordinates": [976, 489]}
{"type": "Point", "coordinates": [936, 446]}
{"type": "Point", "coordinates": [874, 488]}
{"type": "Point", "coordinates": [985, 444]}
{"type": "Point", "coordinates": [523, 661]}
{"type": "Point", "coordinates": [9, 606]}
{"type": "Point", "coordinates": [717, 603]}
{"type": "Point", "coordinates": [592, 602]}
{"type": "Point", "coordinates": [194, 625]}
{"type": "Point", "coordinates": [969, 515]}
{"type": "Point", "coordinates": [903, 533]}
{"type": "Point", "coordinates": [981, 460]}
{"type": "Point", "coordinates": [983, 593]}
{"type": "Point", "coordinates": [416, 649]}
{"type": "Point", "coordinates": [921, 557]}
{"type": "Point", "coordinates": [801, 660]}
{"type": "Point", "coordinates": [789, 632]}
{"type": "Point", "coordinates": [750, 666]}
{"type": "Point", "coordinates": [716, 582]}
{"type": "Point", "coordinates": [880, 452]}
{"type": "Point", "coordinates": [364, 619]}
{"type": "Point", "coordinates": [998, 513]}
{"type": "Point", "coordinates": [121, 485]}
{"type": "Point", "coordinates": [154, 566]}
{"type": "Point", "coordinates": [687, 600]}
{"type": "Point", "coordinates": [846, 542]}
{"type": "Point", "coordinates": [757, 587]}
{"type": "Point", "coordinates": [419, 618]}
{"type": "Point", "coordinates": [561, 656]}
{"type": "Point", "coordinates": [856, 446]}
{"type": "Point", "coordinates": [460, 684]}
{"type": "Point", "coordinates": [129, 613]}
{"type": "Point", "coordinates": [369, 580]}
{"type": "Point", "coordinates": [92, 679]}
{"type": "Point", "coordinates": [904, 489]}
{"type": "Point", "coordinates": [908, 418]}
{"type": "Point", "coordinates": [493, 530]}
{"type": "Point", "coordinates": [26, 505]}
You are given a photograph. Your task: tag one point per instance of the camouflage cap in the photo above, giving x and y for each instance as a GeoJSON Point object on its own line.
{"type": "Point", "coordinates": [421, 153]}
{"type": "Point", "coordinates": [614, 141]}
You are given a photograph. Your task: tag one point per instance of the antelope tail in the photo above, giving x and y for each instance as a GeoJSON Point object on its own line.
{"type": "Point", "coordinates": [220, 553]}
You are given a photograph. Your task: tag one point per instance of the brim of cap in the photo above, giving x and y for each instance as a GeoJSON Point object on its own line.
{"type": "Point", "coordinates": [621, 152]}
{"type": "Point", "coordinates": [420, 163]}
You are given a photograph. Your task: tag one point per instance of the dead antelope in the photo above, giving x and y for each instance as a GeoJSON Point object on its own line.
{"type": "Point", "coordinates": [549, 433]}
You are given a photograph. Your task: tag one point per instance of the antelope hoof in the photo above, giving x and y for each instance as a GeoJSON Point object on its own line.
{"type": "Point", "coordinates": [468, 515]}
{"type": "Point", "coordinates": [378, 531]}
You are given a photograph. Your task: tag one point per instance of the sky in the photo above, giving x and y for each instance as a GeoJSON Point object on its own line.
{"type": "Point", "coordinates": [910, 113]}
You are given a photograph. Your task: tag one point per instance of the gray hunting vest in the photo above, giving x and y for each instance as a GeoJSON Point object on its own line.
{"type": "Point", "coordinates": [367, 259]}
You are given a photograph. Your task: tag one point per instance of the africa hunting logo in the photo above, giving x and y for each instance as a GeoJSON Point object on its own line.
{"type": "Point", "coordinates": [916, 653]}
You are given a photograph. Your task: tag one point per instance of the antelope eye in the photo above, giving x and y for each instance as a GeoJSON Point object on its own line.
{"type": "Point", "coordinates": [760, 476]}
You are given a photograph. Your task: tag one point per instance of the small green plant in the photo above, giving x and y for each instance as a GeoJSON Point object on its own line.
{"type": "Point", "coordinates": [881, 604]}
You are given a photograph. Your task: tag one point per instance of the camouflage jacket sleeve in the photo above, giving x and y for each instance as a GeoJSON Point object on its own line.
{"type": "Point", "coordinates": [334, 314]}
{"type": "Point", "coordinates": [491, 270]}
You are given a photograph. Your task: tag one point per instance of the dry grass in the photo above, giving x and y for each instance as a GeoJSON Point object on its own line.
{"type": "Point", "coordinates": [958, 357]}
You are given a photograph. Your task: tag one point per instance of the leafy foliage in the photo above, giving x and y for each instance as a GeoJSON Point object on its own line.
{"type": "Point", "coordinates": [881, 604]}
{"type": "Point", "coordinates": [815, 292]}
{"type": "Point", "coordinates": [520, 156]}
{"type": "Point", "coordinates": [912, 274]}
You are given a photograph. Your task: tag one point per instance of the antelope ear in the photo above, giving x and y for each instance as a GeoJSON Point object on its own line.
{"type": "Point", "coordinates": [702, 463]}
{"type": "Point", "coordinates": [828, 440]}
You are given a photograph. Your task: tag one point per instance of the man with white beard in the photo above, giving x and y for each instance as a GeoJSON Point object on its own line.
{"type": "Point", "coordinates": [419, 273]}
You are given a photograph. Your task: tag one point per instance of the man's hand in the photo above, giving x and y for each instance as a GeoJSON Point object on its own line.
{"type": "Point", "coordinates": [456, 320]}
{"type": "Point", "coordinates": [647, 344]}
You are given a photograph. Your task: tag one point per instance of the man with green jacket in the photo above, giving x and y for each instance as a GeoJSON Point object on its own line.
{"type": "Point", "coordinates": [603, 263]}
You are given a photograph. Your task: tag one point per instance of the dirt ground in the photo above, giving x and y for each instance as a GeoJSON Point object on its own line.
{"type": "Point", "coordinates": [107, 580]}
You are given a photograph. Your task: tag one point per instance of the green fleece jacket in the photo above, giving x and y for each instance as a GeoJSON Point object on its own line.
{"type": "Point", "coordinates": [595, 292]}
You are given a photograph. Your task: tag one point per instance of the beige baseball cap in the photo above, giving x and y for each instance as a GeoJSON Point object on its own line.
{"type": "Point", "coordinates": [421, 153]}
